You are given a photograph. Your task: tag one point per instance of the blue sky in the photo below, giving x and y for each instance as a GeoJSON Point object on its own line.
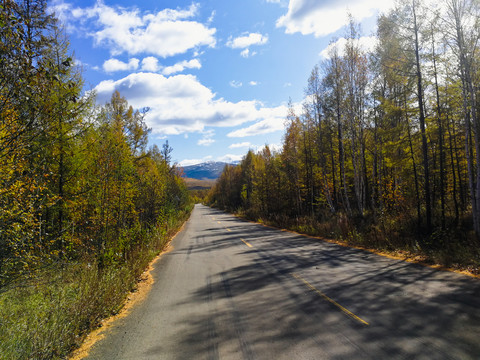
{"type": "Point", "coordinates": [216, 74]}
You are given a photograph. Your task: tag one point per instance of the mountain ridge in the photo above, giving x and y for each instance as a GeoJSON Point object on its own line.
{"type": "Point", "coordinates": [210, 170]}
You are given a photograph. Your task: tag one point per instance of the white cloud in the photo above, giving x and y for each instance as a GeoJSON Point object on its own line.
{"type": "Point", "coordinates": [181, 104]}
{"type": "Point", "coordinates": [262, 127]}
{"type": "Point", "coordinates": [272, 119]}
{"type": "Point", "coordinates": [240, 145]}
{"type": "Point", "coordinates": [205, 142]}
{"type": "Point", "coordinates": [230, 158]}
{"type": "Point", "coordinates": [236, 84]}
{"type": "Point", "coordinates": [243, 42]}
{"type": "Point", "coordinates": [367, 44]}
{"type": "Point", "coordinates": [113, 65]}
{"type": "Point", "coordinates": [322, 18]}
{"type": "Point", "coordinates": [212, 17]}
{"type": "Point", "coordinates": [150, 64]}
{"type": "Point", "coordinates": [79, 63]}
{"type": "Point", "coordinates": [269, 120]}
{"type": "Point", "coordinates": [165, 33]}
{"type": "Point", "coordinates": [245, 53]}
{"type": "Point", "coordinates": [207, 138]}
{"type": "Point", "coordinates": [179, 67]}
{"type": "Point", "coordinates": [253, 83]}
{"type": "Point", "coordinates": [63, 11]}
{"type": "Point", "coordinates": [275, 147]}
{"type": "Point", "coordinates": [282, 3]}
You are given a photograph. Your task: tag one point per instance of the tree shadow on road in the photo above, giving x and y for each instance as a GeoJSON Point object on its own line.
{"type": "Point", "coordinates": [261, 310]}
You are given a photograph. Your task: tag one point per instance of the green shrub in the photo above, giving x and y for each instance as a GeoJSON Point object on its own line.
{"type": "Point", "coordinates": [48, 316]}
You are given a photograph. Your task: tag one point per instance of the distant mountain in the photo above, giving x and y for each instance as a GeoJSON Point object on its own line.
{"type": "Point", "coordinates": [205, 171]}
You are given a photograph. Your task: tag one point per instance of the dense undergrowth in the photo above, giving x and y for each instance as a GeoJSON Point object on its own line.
{"type": "Point", "coordinates": [48, 315]}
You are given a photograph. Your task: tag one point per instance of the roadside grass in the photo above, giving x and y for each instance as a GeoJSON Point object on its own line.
{"type": "Point", "coordinates": [46, 319]}
{"type": "Point", "coordinates": [454, 248]}
{"type": "Point", "coordinates": [49, 316]}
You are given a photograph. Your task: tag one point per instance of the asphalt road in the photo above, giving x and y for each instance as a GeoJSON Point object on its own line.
{"type": "Point", "coordinates": [231, 289]}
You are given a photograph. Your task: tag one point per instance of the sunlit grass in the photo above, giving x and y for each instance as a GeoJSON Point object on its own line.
{"type": "Point", "coordinates": [46, 319]}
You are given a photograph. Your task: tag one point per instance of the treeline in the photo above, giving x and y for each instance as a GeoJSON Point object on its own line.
{"type": "Point", "coordinates": [77, 180]}
{"type": "Point", "coordinates": [84, 203]}
{"type": "Point", "coordinates": [387, 146]}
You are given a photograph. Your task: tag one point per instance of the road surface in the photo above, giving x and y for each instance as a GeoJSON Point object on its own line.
{"type": "Point", "coordinates": [231, 289]}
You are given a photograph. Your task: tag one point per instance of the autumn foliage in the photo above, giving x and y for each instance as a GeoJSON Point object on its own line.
{"type": "Point", "coordinates": [386, 148]}
{"type": "Point", "coordinates": [77, 180]}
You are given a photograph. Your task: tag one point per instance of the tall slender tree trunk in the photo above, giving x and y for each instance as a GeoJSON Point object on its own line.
{"type": "Point", "coordinates": [428, 206]}
{"type": "Point", "coordinates": [341, 149]}
{"type": "Point", "coordinates": [415, 173]}
{"type": "Point", "coordinates": [375, 158]}
{"type": "Point", "coordinates": [461, 182]}
{"type": "Point", "coordinates": [341, 155]}
{"type": "Point", "coordinates": [334, 173]}
{"type": "Point", "coordinates": [454, 177]}
{"type": "Point", "coordinates": [440, 138]}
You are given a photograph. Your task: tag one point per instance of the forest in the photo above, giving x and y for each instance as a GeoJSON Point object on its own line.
{"type": "Point", "coordinates": [385, 152]}
{"type": "Point", "coordinates": [85, 204]}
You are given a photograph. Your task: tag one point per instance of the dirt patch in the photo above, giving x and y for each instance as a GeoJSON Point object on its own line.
{"type": "Point", "coordinates": [144, 285]}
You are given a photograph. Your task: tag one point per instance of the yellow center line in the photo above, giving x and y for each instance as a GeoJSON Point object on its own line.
{"type": "Point", "coordinates": [246, 243]}
{"type": "Point", "coordinates": [346, 311]}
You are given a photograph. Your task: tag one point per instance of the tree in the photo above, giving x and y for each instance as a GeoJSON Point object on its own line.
{"type": "Point", "coordinates": [418, 73]}
{"type": "Point", "coordinates": [356, 79]}
{"type": "Point", "coordinates": [335, 97]}
{"type": "Point", "coordinates": [463, 35]}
